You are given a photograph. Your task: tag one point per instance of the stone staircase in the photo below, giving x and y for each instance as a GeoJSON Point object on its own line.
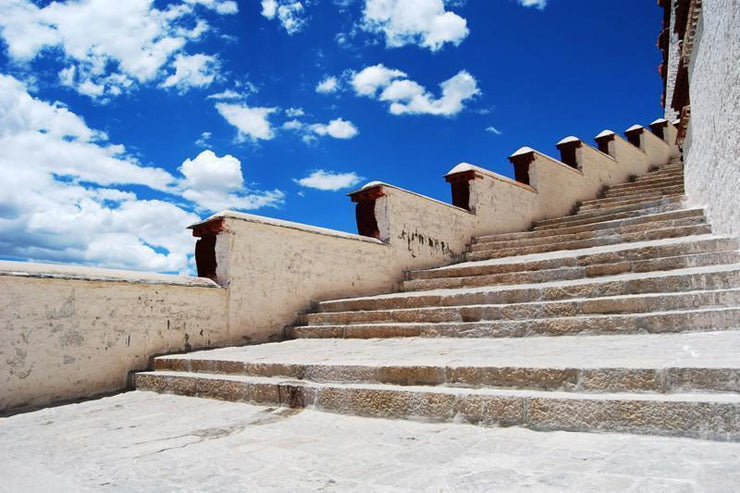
{"type": "Point", "coordinates": [624, 316]}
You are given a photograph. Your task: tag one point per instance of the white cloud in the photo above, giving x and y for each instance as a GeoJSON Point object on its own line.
{"type": "Point", "coordinates": [337, 128]}
{"type": "Point", "coordinates": [192, 71]}
{"type": "Point", "coordinates": [112, 46]}
{"type": "Point", "coordinates": [62, 200]}
{"type": "Point", "coordinates": [367, 81]}
{"type": "Point", "coordinates": [288, 12]}
{"type": "Point", "coordinates": [294, 112]}
{"type": "Point", "coordinates": [227, 95]}
{"type": "Point", "coordinates": [216, 183]}
{"type": "Point", "coordinates": [328, 85]}
{"type": "Point", "coordinates": [294, 125]}
{"type": "Point", "coordinates": [251, 122]}
{"type": "Point", "coordinates": [220, 6]}
{"type": "Point", "coordinates": [406, 96]}
{"type": "Point", "coordinates": [539, 4]}
{"type": "Point", "coordinates": [203, 140]}
{"type": "Point", "coordinates": [421, 22]}
{"type": "Point", "coordinates": [329, 180]}
{"type": "Point", "coordinates": [494, 130]}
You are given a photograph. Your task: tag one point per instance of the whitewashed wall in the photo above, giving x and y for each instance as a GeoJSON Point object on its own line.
{"type": "Point", "coordinates": [712, 146]}
{"type": "Point", "coordinates": [71, 332]}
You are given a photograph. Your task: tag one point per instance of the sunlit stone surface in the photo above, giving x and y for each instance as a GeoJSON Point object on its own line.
{"type": "Point", "coordinates": [142, 441]}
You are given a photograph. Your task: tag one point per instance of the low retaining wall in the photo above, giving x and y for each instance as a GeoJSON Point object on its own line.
{"type": "Point", "coordinates": [72, 332]}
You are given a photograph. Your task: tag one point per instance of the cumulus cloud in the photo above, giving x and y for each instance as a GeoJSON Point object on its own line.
{"type": "Point", "coordinates": [337, 129]}
{"type": "Point", "coordinates": [64, 196]}
{"type": "Point", "coordinates": [288, 12]}
{"type": "Point", "coordinates": [425, 23]}
{"type": "Point", "coordinates": [251, 122]}
{"type": "Point", "coordinates": [328, 85]}
{"type": "Point", "coordinates": [294, 112]}
{"type": "Point", "coordinates": [109, 47]}
{"type": "Point", "coordinates": [538, 4]}
{"type": "Point", "coordinates": [367, 81]}
{"type": "Point", "coordinates": [329, 180]}
{"type": "Point", "coordinates": [192, 71]}
{"type": "Point", "coordinates": [227, 95]}
{"type": "Point", "coordinates": [220, 6]}
{"type": "Point", "coordinates": [215, 183]}
{"type": "Point", "coordinates": [406, 96]}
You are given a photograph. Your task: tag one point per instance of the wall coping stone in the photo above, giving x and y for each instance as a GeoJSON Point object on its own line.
{"type": "Point", "coordinates": [568, 140]}
{"type": "Point", "coordinates": [605, 133]}
{"type": "Point", "coordinates": [279, 223]}
{"type": "Point", "coordinates": [72, 272]}
{"type": "Point", "coordinates": [464, 167]}
{"type": "Point", "coordinates": [386, 185]}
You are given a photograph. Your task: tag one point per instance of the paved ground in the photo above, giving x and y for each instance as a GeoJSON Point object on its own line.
{"type": "Point", "coordinates": [141, 442]}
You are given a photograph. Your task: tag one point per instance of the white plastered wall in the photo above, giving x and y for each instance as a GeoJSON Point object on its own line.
{"type": "Point", "coordinates": [712, 146]}
{"type": "Point", "coordinates": [72, 332]}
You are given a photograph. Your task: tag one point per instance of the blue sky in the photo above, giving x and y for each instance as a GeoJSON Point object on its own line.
{"type": "Point", "coordinates": [123, 122]}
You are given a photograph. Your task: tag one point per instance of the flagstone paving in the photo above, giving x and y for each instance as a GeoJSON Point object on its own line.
{"type": "Point", "coordinates": [143, 441]}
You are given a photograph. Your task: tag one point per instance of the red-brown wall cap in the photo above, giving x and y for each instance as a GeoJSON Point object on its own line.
{"type": "Point", "coordinates": [213, 227]}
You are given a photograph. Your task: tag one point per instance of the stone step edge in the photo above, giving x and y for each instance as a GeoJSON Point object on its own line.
{"type": "Point", "coordinates": [629, 198]}
{"type": "Point", "coordinates": [676, 201]}
{"type": "Point", "coordinates": [589, 270]}
{"type": "Point", "coordinates": [646, 219]}
{"type": "Point", "coordinates": [635, 226]}
{"type": "Point", "coordinates": [655, 234]}
{"type": "Point", "coordinates": [632, 204]}
{"type": "Point", "coordinates": [688, 222]}
{"type": "Point", "coordinates": [608, 379]}
{"type": "Point", "coordinates": [613, 323]}
{"type": "Point", "coordinates": [708, 416]}
{"type": "Point", "coordinates": [585, 219]}
{"type": "Point", "coordinates": [677, 273]}
{"type": "Point", "coordinates": [524, 305]}
{"type": "Point", "coordinates": [613, 202]}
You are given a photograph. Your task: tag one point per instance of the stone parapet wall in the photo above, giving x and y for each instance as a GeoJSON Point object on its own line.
{"type": "Point", "coordinates": [70, 332]}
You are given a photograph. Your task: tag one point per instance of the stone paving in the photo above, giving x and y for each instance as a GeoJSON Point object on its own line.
{"type": "Point", "coordinates": [142, 441]}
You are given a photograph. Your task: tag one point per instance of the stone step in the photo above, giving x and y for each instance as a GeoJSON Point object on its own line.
{"type": "Point", "coordinates": [587, 235]}
{"type": "Point", "coordinates": [657, 175]}
{"type": "Point", "coordinates": [534, 310]}
{"type": "Point", "coordinates": [700, 415]}
{"type": "Point", "coordinates": [579, 272]}
{"type": "Point", "coordinates": [657, 322]}
{"type": "Point", "coordinates": [569, 364]}
{"type": "Point", "coordinates": [648, 250]}
{"type": "Point", "coordinates": [680, 280]}
{"type": "Point", "coordinates": [638, 188]}
{"type": "Point", "coordinates": [644, 180]}
{"type": "Point", "coordinates": [612, 202]}
{"type": "Point", "coordinates": [644, 219]}
{"type": "Point", "coordinates": [645, 195]}
{"type": "Point", "coordinates": [648, 182]}
{"type": "Point", "coordinates": [484, 253]}
{"type": "Point", "coordinates": [661, 205]}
